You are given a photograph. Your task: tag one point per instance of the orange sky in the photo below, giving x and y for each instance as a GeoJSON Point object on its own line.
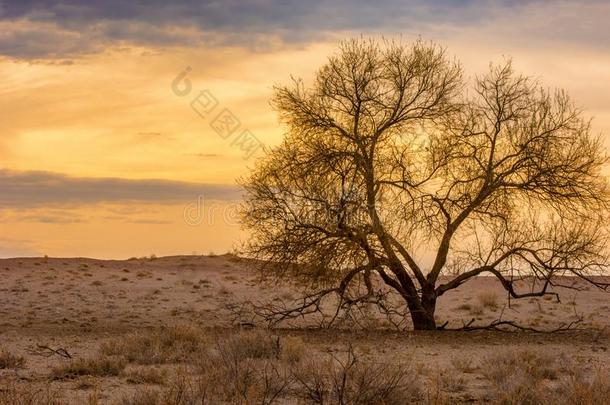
{"type": "Point", "coordinates": [87, 108]}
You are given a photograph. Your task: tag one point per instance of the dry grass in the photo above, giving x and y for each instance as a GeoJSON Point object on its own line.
{"type": "Point", "coordinates": [250, 344]}
{"type": "Point", "coordinates": [143, 397]}
{"type": "Point", "coordinates": [463, 364]}
{"type": "Point", "coordinates": [505, 366]}
{"type": "Point", "coordinates": [580, 391]}
{"type": "Point", "coordinates": [292, 349]}
{"type": "Point", "coordinates": [148, 375]}
{"type": "Point", "coordinates": [571, 390]}
{"type": "Point", "coordinates": [29, 395]}
{"type": "Point", "coordinates": [477, 310]}
{"type": "Point", "coordinates": [227, 374]}
{"type": "Point", "coordinates": [96, 366]}
{"type": "Point", "coordinates": [248, 381]}
{"type": "Point", "coordinates": [256, 367]}
{"type": "Point", "coordinates": [449, 382]}
{"type": "Point", "coordinates": [166, 345]}
{"type": "Point", "coordinates": [10, 360]}
{"type": "Point", "coordinates": [529, 377]}
{"type": "Point", "coordinates": [488, 299]}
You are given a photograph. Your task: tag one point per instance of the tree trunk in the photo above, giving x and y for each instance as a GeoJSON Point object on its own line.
{"type": "Point", "coordinates": [422, 312]}
{"type": "Point", "coordinates": [423, 320]}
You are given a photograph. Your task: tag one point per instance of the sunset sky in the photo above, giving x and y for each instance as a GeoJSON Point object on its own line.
{"type": "Point", "coordinates": [100, 156]}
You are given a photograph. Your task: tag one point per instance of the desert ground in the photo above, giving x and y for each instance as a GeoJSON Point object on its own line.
{"type": "Point", "coordinates": [161, 331]}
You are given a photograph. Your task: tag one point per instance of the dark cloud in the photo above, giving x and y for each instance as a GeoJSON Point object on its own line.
{"type": "Point", "coordinates": [67, 28]}
{"type": "Point", "coordinates": [43, 41]}
{"type": "Point", "coordinates": [236, 15]}
{"type": "Point", "coordinates": [34, 189]}
{"type": "Point", "coordinates": [51, 219]}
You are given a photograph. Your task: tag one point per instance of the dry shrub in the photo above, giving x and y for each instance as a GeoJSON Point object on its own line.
{"type": "Point", "coordinates": [98, 367]}
{"type": "Point", "coordinates": [579, 391]}
{"type": "Point", "coordinates": [353, 381]}
{"type": "Point", "coordinates": [9, 360]}
{"type": "Point", "coordinates": [29, 395]}
{"type": "Point", "coordinates": [146, 376]}
{"type": "Point", "coordinates": [243, 368]}
{"type": "Point", "coordinates": [247, 382]}
{"type": "Point", "coordinates": [249, 344]}
{"type": "Point", "coordinates": [240, 368]}
{"type": "Point", "coordinates": [488, 299]}
{"type": "Point", "coordinates": [165, 345]}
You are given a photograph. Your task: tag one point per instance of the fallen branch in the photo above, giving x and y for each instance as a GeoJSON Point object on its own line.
{"type": "Point", "coordinates": [46, 351]}
{"type": "Point", "coordinates": [497, 326]}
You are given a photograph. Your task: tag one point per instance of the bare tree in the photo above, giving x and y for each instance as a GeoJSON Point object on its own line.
{"type": "Point", "coordinates": [390, 169]}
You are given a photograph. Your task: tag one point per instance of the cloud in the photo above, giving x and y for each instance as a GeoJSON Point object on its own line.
{"type": "Point", "coordinates": [204, 155]}
{"type": "Point", "coordinates": [149, 221]}
{"type": "Point", "coordinates": [68, 28]}
{"type": "Point", "coordinates": [37, 188]}
{"type": "Point", "coordinates": [50, 218]}
{"type": "Point", "coordinates": [34, 40]}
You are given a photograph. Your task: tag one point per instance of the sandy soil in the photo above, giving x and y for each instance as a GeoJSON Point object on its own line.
{"type": "Point", "coordinates": [78, 303]}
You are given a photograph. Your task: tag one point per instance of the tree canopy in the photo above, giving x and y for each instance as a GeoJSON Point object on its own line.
{"type": "Point", "coordinates": [395, 167]}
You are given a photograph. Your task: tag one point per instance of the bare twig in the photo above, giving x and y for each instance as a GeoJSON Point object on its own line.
{"type": "Point", "coordinates": [46, 351]}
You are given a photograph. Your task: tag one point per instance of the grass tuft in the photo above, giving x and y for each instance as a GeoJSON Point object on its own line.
{"type": "Point", "coordinates": [96, 367]}
{"type": "Point", "coordinates": [10, 360]}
